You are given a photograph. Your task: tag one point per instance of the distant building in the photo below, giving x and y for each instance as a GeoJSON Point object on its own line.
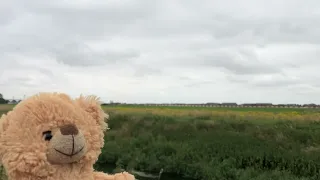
{"type": "Point", "coordinates": [229, 104]}
{"type": "Point", "coordinates": [264, 104]}
{"type": "Point", "coordinates": [310, 105]}
{"type": "Point", "coordinates": [210, 103]}
{"type": "Point", "coordinates": [13, 101]}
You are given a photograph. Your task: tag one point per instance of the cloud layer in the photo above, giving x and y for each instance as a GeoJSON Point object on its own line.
{"type": "Point", "coordinates": [162, 51]}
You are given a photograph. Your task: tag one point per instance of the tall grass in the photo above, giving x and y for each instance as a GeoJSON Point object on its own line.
{"type": "Point", "coordinates": [211, 144]}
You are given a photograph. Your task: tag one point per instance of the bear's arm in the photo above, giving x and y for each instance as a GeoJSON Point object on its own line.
{"type": "Point", "coordinates": [117, 176]}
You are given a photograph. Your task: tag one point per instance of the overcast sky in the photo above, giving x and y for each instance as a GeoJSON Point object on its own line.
{"type": "Point", "coordinates": [184, 51]}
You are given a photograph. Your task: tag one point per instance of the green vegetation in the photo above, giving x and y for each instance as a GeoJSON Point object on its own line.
{"type": "Point", "coordinates": [213, 148]}
{"type": "Point", "coordinates": [2, 100]}
{"type": "Point", "coordinates": [213, 144]}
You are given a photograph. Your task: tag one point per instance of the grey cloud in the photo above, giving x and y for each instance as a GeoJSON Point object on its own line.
{"type": "Point", "coordinates": [7, 12]}
{"type": "Point", "coordinates": [184, 78]}
{"type": "Point", "coordinates": [237, 79]}
{"type": "Point", "coordinates": [230, 30]}
{"type": "Point", "coordinates": [26, 74]}
{"type": "Point", "coordinates": [199, 83]}
{"type": "Point", "coordinates": [18, 81]}
{"type": "Point", "coordinates": [95, 20]}
{"type": "Point", "coordinates": [264, 30]}
{"type": "Point", "coordinates": [144, 70]}
{"type": "Point", "coordinates": [59, 31]}
{"type": "Point", "coordinates": [306, 89]}
{"type": "Point", "coordinates": [163, 39]}
{"type": "Point", "coordinates": [189, 81]}
{"type": "Point", "coordinates": [280, 80]}
{"type": "Point", "coordinates": [69, 51]}
{"type": "Point", "coordinates": [238, 61]}
{"type": "Point", "coordinates": [17, 66]}
{"type": "Point", "coordinates": [47, 72]}
{"type": "Point", "coordinates": [278, 83]}
{"type": "Point", "coordinates": [44, 71]}
{"type": "Point", "coordinates": [5, 64]}
{"type": "Point", "coordinates": [77, 58]}
{"type": "Point", "coordinates": [81, 55]}
{"type": "Point", "coordinates": [311, 79]}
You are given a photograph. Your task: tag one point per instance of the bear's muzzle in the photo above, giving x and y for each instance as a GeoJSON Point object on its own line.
{"type": "Point", "coordinates": [67, 145]}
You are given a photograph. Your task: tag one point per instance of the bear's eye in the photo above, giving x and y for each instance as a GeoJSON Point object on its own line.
{"type": "Point", "coordinates": [47, 135]}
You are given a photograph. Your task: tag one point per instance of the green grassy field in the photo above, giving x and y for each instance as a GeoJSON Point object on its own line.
{"type": "Point", "coordinates": [214, 143]}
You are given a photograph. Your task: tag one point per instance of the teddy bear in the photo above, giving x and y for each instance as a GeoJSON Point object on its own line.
{"type": "Point", "coordinates": [50, 136]}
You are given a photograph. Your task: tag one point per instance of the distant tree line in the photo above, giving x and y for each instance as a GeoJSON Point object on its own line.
{"type": "Point", "coordinates": [2, 100]}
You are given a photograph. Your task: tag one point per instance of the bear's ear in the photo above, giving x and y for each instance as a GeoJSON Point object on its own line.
{"type": "Point", "coordinates": [92, 105]}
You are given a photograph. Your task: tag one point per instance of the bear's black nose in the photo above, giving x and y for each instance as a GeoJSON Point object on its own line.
{"type": "Point", "coordinates": [69, 129]}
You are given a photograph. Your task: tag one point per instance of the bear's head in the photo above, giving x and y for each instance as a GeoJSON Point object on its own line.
{"type": "Point", "coordinates": [52, 135]}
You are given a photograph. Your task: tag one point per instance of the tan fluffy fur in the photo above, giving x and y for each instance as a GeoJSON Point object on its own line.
{"type": "Point", "coordinates": [23, 149]}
